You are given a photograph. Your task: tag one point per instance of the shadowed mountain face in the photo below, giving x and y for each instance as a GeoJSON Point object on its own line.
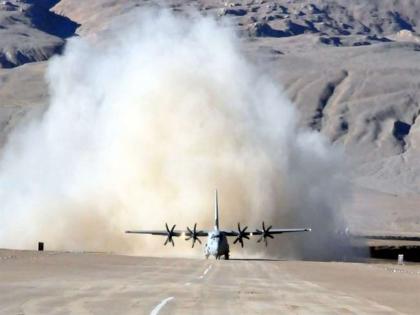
{"type": "Point", "coordinates": [29, 32]}
{"type": "Point", "coordinates": [49, 22]}
{"type": "Point", "coordinates": [352, 68]}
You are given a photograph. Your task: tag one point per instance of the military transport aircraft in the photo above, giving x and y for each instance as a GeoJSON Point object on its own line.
{"type": "Point", "coordinates": [217, 244]}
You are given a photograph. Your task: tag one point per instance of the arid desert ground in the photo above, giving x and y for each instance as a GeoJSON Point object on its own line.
{"type": "Point", "coordinates": [94, 283]}
{"type": "Point", "coordinates": [350, 67]}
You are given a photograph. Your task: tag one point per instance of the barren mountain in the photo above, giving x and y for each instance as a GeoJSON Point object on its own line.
{"type": "Point", "coordinates": [352, 67]}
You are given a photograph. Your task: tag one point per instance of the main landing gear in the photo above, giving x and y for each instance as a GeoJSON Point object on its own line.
{"type": "Point", "coordinates": [226, 256]}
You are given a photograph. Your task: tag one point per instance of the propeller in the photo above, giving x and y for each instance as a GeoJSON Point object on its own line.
{"type": "Point", "coordinates": [241, 235]}
{"type": "Point", "coordinates": [193, 234]}
{"type": "Point", "coordinates": [171, 234]}
{"type": "Point", "coordinates": [265, 233]}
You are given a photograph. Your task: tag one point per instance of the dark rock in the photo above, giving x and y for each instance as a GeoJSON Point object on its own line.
{"type": "Point", "coordinates": [379, 39]}
{"type": "Point", "coordinates": [400, 130]}
{"type": "Point", "coordinates": [335, 41]}
{"type": "Point", "coordinates": [265, 30]}
{"type": "Point", "coordinates": [236, 12]}
{"type": "Point", "coordinates": [364, 43]}
{"type": "Point", "coordinates": [402, 23]}
{"type": "Point", "coordinates": [344, 125]}
{"type": "Point", "coordinates": [295, 29]}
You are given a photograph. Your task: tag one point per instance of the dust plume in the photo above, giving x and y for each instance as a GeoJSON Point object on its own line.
{"type": "Point", "coordinates": [144, 122]}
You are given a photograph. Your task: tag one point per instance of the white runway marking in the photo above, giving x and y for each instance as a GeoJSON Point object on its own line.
{"type": "Point", "coordinates": [205, 272]}
{"type": "Point", "coordinates": [188, 283]}
{"type": "Point", "coordinates": [158, 307]}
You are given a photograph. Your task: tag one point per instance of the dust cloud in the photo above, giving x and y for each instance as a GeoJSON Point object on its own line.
{"type": "Point", "coordinates": [145, 121]}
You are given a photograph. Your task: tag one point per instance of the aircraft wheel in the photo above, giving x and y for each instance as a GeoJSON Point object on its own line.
{"type": "Point", "coordinates": [226, 256]}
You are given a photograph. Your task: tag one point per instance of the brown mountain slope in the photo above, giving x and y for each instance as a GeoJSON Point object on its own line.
{"type": "Point", "coordinates": [351, 67]}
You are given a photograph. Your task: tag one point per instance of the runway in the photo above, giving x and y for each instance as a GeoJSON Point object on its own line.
{"type": "Point", "coordinates": [88, 283]}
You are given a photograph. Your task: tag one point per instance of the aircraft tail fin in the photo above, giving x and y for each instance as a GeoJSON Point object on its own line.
{"type": "Point", "coordinates": [216, 212]}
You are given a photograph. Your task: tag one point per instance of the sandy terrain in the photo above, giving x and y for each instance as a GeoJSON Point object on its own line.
{"type": "Point", "coordinates": [89, 283]}
{"type": "Point", "coordinates": [350, 67]}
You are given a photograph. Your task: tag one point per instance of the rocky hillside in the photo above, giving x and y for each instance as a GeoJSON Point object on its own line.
{"type": "Point", "coordinates": [352, 67]}
{"type": "Point", "coordinates": [30, 32]}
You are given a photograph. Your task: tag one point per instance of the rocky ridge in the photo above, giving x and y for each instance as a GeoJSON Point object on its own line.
{"type": "Point", "coordinates": [351, 67]}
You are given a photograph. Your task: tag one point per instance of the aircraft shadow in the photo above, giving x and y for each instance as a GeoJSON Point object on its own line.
{"type": "Point", "coordinates": [257, 259]}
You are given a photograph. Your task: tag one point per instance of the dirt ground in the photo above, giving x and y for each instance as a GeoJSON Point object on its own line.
{"type": "Point", "coordinates": [95, 283]}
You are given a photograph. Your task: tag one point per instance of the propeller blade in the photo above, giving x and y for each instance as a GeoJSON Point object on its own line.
{"type": "Point", "coordinates": [170, 234]}
{"type": "Point", "coordinates": [193, 234]}
{"type": "Point", "coordinates": [241, 234]}
{"type": "Point", "coordinates": [265, 234]}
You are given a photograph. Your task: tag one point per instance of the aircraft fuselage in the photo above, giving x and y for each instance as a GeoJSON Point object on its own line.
{"type": "Point", "coordinates": [217, 245]}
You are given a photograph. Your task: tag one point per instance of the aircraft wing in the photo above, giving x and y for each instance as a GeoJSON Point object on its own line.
{"type": "Point", "coordinates": [280, 231]}
{"type": "Point", "coordinates": [192, 234]}
{"type": "Point", "coordinates": [175, 233]}
{"type": "Point", "coordinates": [260, 232]}
{"type": "Point", "coordinates": [154, 232]}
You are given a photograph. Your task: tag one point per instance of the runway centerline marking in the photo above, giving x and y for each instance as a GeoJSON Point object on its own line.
{"type": "Point", "coordinates": [158, 307]}
{"type": "Point", "coordinates": [205, 272]}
